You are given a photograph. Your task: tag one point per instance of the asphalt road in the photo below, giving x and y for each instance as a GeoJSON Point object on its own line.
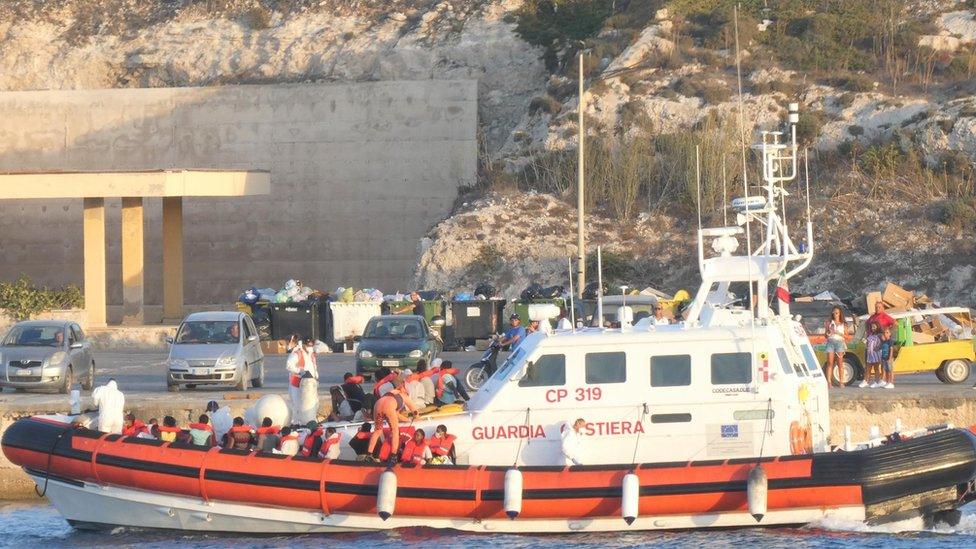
{"type": "Point", "coordinates": [144, 374]}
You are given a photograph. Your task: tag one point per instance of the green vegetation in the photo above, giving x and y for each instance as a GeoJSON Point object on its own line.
{"type": "Point", "coordinates": [489, 260]}
{"type": "Point", "coordinates": [959, 214]}
{"type": "Point", "coordinates": [21, 299]}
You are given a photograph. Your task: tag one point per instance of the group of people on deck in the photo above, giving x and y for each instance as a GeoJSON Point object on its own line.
{"type": "Point", "coordinates": [879, 347]}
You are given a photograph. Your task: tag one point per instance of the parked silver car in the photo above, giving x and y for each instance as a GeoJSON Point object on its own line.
{"type": "Point", "coordinates": [46, 354]}
{"type": "Point", "coordinates": [215, 348]}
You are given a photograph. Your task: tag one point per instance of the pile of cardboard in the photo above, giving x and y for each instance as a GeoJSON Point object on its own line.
{"type": "Point", "coordinates": [897, 299]}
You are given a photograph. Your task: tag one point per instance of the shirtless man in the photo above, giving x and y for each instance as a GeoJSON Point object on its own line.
{"type": "Point", "coordinates": [390, 407]}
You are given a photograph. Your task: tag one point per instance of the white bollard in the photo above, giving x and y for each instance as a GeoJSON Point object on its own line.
{"type": "Point", "coordinates": [513, 493]}
{"type": "Point", "coordinates": [874, 432]}
{"type": "Point", "coordinates": [848, 443]}
{"type": "Point", "coordinates": [757, 488]}
{"type": "Point", "coordinates": [630, 498]}
{"type": "Point", "coordinates": [75, 400]}
{"type": "Point", "coordinates": [898, 426]}
{"type": "Point", "coordinates": [386, 493]}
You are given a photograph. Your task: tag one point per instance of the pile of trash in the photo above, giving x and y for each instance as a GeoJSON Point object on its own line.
{"type": "Point", "coordinates": [351, 295]}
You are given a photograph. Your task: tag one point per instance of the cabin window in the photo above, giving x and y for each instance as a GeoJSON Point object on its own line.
{"type": "Point", "coordinates": [784, 361]}
{"type": "Point", "coordinates": [606, 367]}
{"type": "Point", "coordinates": [670, 418]}
{"type": "Point", "coordinates": [731, 368]}
{"type": "Point", "coordinates": [670, 370]}
{"type": "Point", "coordinates": [812, 365]}
{"type": "Point", "coordinates": [745, 415]}
{"type": "Point", "coordinates": [546, 371]}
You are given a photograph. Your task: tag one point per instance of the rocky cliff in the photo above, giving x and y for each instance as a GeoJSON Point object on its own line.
{"type": "Point", "coordinates": [886, 88]}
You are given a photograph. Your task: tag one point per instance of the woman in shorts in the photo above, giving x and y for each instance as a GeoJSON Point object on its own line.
{"type": "Point", "coordinates": [836, 329]}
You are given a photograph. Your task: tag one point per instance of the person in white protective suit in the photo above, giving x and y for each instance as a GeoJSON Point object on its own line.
{"type": "Point", "coordinates": [301, 360]}
{"type": "Point", "coordinates": [110, 403]}
{"type": "Point", "coordinates": [572, 445]}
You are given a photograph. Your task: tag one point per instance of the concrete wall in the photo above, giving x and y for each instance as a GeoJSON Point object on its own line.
{"type": "Point", "coordinates": [359, 172]}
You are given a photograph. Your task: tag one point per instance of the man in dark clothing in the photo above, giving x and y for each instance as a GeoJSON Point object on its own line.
{"type": "Point", "coordinates": [354, 391]}
{"type": "Point", "coordinates": [416, 306]}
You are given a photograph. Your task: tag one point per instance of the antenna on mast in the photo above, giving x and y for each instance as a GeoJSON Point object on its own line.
{"type": "Point", "coordinates": [742, 148]}
{"type": "Point", "coordinates": [698, 184]}
{"type": "Point", "coordinates": [725, 206]}
{"type": "Point", "coordinates": [572, 295]}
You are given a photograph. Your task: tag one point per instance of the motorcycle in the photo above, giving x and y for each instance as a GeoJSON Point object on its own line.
{"type": "Point", "coordinates": [479, 372]}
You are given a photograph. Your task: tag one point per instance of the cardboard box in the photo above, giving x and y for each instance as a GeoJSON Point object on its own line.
{"type": "Point", "coordinates": [275, 347]}
{"type": "Point", "coordinates": [897, 296]}
{"type": "Point", "coordinates": [870, 299]}
{"type": "Point", "coordinates": [919, 337]}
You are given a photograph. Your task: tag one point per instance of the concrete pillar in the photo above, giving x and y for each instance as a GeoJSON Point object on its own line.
{"type": "Point", "coordinates": [133, 261]}
{"type": "Point", "coordinates": [94, 235]}
{"type": "Point", "coordinates": [172, 259]}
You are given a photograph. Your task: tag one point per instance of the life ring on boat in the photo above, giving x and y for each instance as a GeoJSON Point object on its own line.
{"type": "Point", "coordinates": [801, 439]}
{"type": "Point", "coordinates": [796, 438]}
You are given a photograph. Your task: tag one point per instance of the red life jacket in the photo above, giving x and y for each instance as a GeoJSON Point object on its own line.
{"type": "Point", "coordinates": [413, 452]}
{"type": "Point", "coordinates": [240, 437]}
{"type": "Point", "coordinates": [441, 446]}
{"type": "Point", "coordinates": [134, 429]}
{"type": "Point", "coordinates": [310, 441]}
{"type": "Point", "coordinates": [440, 379]}
{"type": "Point", "coordinates": [273, 430]}
{"type": "Point", "coordinates": [406, 434]}
{"type": "Point", "coordinates": [360, 435]}
{"type": "Point", "coordinates": [355, 380]}
{"type": "Point", "coordinates": [329, 443]}
{"type": "Point", "coordinates": [380, 383]}
{"type": "Point", "coordinates": [201, 427]}
{"type": "Point", "coordinates": [295, 380]}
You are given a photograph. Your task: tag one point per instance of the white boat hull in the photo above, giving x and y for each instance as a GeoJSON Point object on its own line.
{"type": "Point", "coordinates": [88, 505]}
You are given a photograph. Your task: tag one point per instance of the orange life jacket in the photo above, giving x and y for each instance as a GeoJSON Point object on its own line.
{"type": "Point", "coordinates": [273, 430]}
{"type": "Point", "coordinates": [286, 438]}
{"type": "Point", "coordinates": [380, 383]}
{"type": "Point", "coordinates": [355, 380]}
{"type": "Point", "coordinates": [168, 434]}
{"type": "Point", "coordinates": [310, 441]}
{"type": "Point", "coordinates": [201, 427]}
{"type": "Point", "coordinates": [413, 452]}
{"type": "Point", "coordinates": [329, 443]}
{"type": "Point", "coordinates": [440, 379]}
{"type": "Point", "coordinates": [296, 379]}
{"type": "Point", "coordinates": [135, 429]}
{"type": "Point", "coordinates": [240, 437]}
{"type": "Point", "coordinates": [441, 446]}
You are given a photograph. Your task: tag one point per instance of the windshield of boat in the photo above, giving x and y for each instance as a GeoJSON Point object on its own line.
{"type": "Point", "coordinates": [506, 368]}
{"type": "Point", "coordinates": [209, 332]}
{"type": "Point", "coordinates": [35, 336]}
{"type": "Point", "coordinates": [394, 328]}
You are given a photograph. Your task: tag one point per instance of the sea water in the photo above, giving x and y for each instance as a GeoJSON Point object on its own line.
{"type": "Point", "coordinates": [35, 526]}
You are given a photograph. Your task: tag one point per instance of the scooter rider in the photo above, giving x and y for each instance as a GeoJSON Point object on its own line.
{"type": "Point", "coordinates": [515, 335]}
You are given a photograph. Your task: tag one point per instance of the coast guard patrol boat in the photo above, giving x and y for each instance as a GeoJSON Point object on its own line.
{"type": "Point", "coordinates": [719, 420]}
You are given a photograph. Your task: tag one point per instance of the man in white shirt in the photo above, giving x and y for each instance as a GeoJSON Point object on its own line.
{"type": "Point", "coordinates": [301, 359]}
{"type": "Point", "coordinates": [572, 444]}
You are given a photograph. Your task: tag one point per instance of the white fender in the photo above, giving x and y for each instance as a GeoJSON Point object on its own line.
{"type": "Point", "coordinates": [386, 494]}
{"type": "Point", "coordinates": [513, 493]}
{"type": "Point", "coordinates": [757, 488]}
{"type": "Point", "coordinates": [629, 498]}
